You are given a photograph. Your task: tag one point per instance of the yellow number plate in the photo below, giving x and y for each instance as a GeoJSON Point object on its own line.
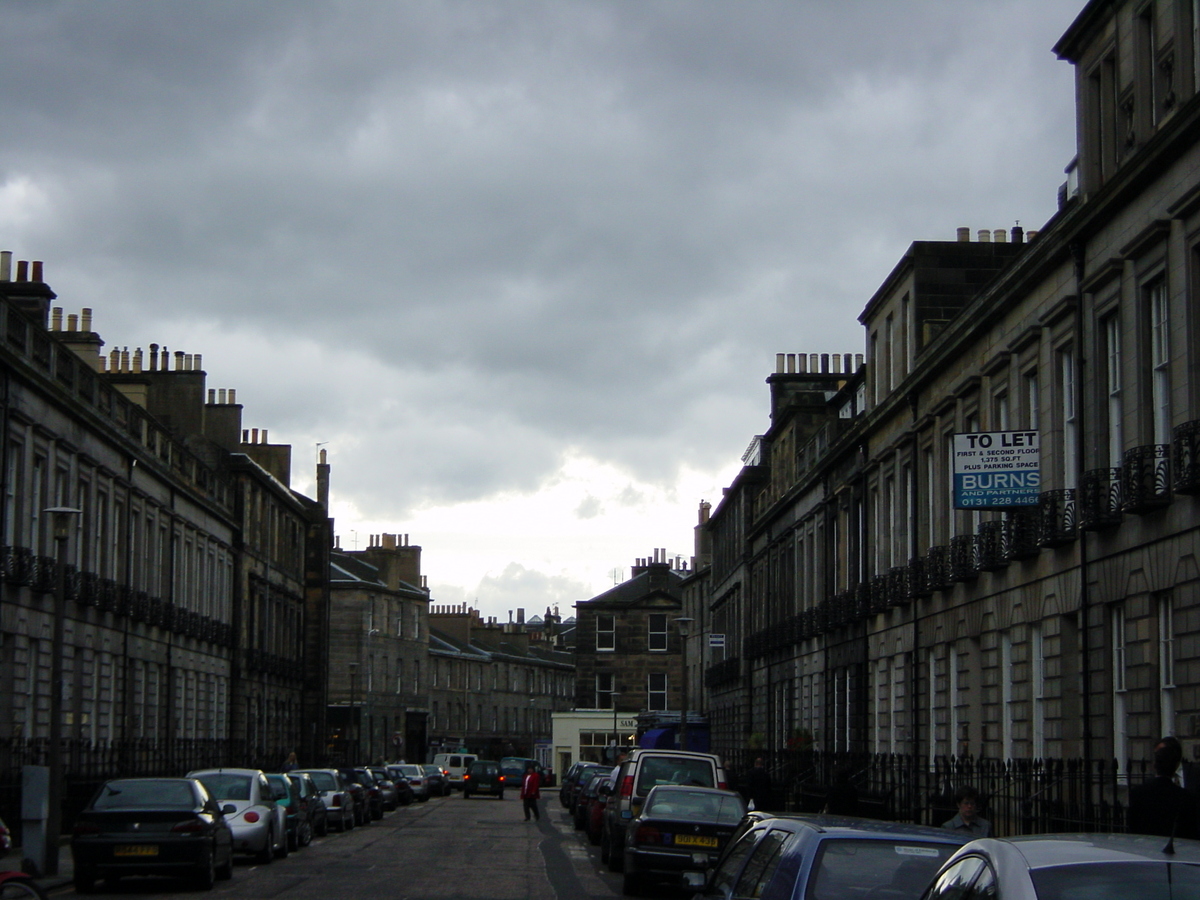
{"type": "Point", "coordinates": [691, 840]}
{"type": "Point", "coordinates": [136, 850]}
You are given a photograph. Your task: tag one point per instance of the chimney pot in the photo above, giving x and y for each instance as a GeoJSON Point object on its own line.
{"type": "Point", "coordinates": [5, 265]}
{"type": "Point", "coordinates": [56, 319]}
{"type": "Point", "coordinates": [964, 235]}
{"type": "Point", "coordinates": [985, 236]}
{"type": "Point", "coordinates": [1000, 236]}
{"type": "Point", "coordinates": [85, 320]}
{"type": "Point", "coordinates": [22, 270]}
{"type": "Point", "coordinates": [37, 270]}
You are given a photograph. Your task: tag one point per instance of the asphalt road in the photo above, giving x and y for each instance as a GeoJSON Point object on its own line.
{"type": "Point", "coordinates": [446, 849]}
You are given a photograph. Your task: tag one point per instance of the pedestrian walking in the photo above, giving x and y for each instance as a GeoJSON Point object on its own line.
{"type": "Point", "coordinates": [531, 792]}
{"type": "Point", "coordinates": [968, 819]}
{"type": "Point", "coordinates": [1160, 806]}
{"type": "Point", "coordinates": [758, 785]}
{"type": "Point", "coordinates": [292, 763]}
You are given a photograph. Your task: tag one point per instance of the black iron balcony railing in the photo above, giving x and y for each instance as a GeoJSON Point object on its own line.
{"type": "Point", "coordinates": [897, 586]}
{"type": "Point", "coordinates": [878, 594]}
{"type": "Point", "coordinates": [964, 557]}
{"type": "Point", "coordinates": [1021, 533]}
{"type": "Point", "coordinates": [1056, 514]}
{"type": "Point", "coordinates": [990, 546]}
{"type": "Point", "coordinates": [723, 673]}
{"type": "Point", "coordinates": [44, 571]}
{"type": "Point", "coordinates": [1187, 458]}
{"type": "Point", "coordinates": [1146, 485]}
{"type": "Point", "coordinates": [1100, 499]}
{"type": "Point", "coordinates": [916, 579]}
{"type": "Point", "coordinates": [937, 568]}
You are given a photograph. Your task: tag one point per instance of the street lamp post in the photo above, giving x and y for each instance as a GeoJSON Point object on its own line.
{"type": "Point", "coordinates": [685, 628]}
{"type": "Point", "coordinates": [62, 518]}
{"type": "Point", "coordinates": [353, 723]}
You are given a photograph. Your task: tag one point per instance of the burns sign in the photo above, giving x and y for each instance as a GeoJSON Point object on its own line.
{"type": "Point", "coordinates": [996, 469]}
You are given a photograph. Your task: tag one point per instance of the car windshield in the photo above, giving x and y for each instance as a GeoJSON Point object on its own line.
{"type": "Point", "coordinates": [143, 794]}
{"type": "Point", "coordinates": [1118, 880]}
{"type": "Point", "coordinates": [432, 770]}
{"type": "Point", "coordinates": [478, 768]}
{"type": "Point", "coordinates": [324, 781]}
{"type": "Point", "coordinates": [226, 787]}
{"type": "Point", "coordinates": [674, 770]}
{"type": "Point", "coordinates": [724, 809]}
{"type": "Point", "coordinates": [853, 867]}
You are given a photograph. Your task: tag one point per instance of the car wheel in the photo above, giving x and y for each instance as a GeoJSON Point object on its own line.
{"type": "Point", "coordinates": [322, 827]}
{"type": "Point", "coordinates": [593, 837]}
{"type": "Point", "coordinates": [424, 797]}
{"type": "Point", "coordinates": [631, 885]}
{"type": "Point", "coordinates": [293, 840]}
{"type": "Point", "coordinates": [616, 859]}
{"type": "Point", "coordinates": [304, 834]}
{"type": "Point", "coordinates": [466, 794]}
{"type": "Point", "coordinates": [500, 795]}
{"type": "Point", "coordinates": [605, 848]}
{"type": "Point", "coordinates": [267, 853]}
{"type": "Point", "coordinates": [206, 874]}
{"type": "Point", "coordinates": [85, 881]}
{"type": "Point", "coordinates": [225, 870]}
{"type": "Point", "coordinates": [285, 845]}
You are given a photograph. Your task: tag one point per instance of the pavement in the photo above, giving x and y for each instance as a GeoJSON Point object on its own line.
{"type": "Point", "coordinates": [66, 867]}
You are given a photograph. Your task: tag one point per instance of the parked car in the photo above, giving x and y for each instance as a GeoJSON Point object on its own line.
{"type": "Point", "coordinates": [151, 826]}
{"type": "Point", "coordinates": [818, 857]}
{"type": "Point", "coordinates": [596, 807]}
{"type": "Point", "coordinates": [374, 792]}
{"type": "Point", "coordinates": [335, 791]}
{"type": "Point", "coordinates": [680, 829]}
{"type": "Point", "coordinates": [568, 781]}
{"type": "Point", "coordinates": [387, 787]}
{"type": "Point", "coordinates": [1070, 867]}
{"type": "Point", "coordinates": [258, 823]}
{"type": "Point", "coordinates": [414, 776]}
{"type": "Point", "coordinates": [297, 817]}
{"type": "Point", "coordinates": [439, 785]}
{"type": "Point", "coordinates": [312, 801]}
{"type": "Point", "coordinates": [588, 794]}
{"type": "Point", "coordinates": [483, 777]}
{"type": "Point", "coordinates": [358, 791]}
{"type": "Point", "coordinates": [641, 771]}
{"type": "Point", "coordinates": [578, 799]}
{"type": "Point", "coordinates": [454, 765]}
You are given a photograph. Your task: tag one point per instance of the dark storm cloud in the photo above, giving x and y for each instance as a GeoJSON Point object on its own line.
{"type": "Point", "coordinates": [502, 231]}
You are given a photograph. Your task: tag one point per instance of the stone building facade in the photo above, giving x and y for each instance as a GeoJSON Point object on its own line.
{"type": "Point", "coordinates": [875, 615]}
{"type": "Point", "coordinates": [378, 651]}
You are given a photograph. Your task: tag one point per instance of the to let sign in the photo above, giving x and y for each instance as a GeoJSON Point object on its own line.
{"type": "Point", "coordinates": [997, 469]}
{"type": "Point", "coordinates": [716, 640]}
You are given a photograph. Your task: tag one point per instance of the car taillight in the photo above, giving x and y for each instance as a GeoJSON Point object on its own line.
{"type": "Point", "coordinates": [416, 781]}
{"type": "Point", "coordinates": [721, 786]}
{"type": "Point", "coordinates": [466, 778]}
{"type": "Point", "coordinates": [86, 828]}
{"type": "Point", "coordinates": [191, 826]}
{"type": "Point", "coordinates": [251, 817]}
{"type": "Point", "coordinates": [501, 777]}
{"type": "Point", "coordinates": [627, 786]}
{"type": "Point", "coordinates": [647, 834]}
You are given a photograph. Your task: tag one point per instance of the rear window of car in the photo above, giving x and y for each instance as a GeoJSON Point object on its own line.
{"type": "Point", "coordinates": [484, 768]}
{"type": "Point", "coordinates": [142, 794]}
{"type": "Point", "coordinates": [226, 787]}
{"type": "Point", "coordinates": [325, 781]}
{"type": "Point", "coordinates": [674, 770]}
{"type": "Point", "coordinates": [1117, 881]}
{"type": "Point", "coordinates": [853, 867]}
{"type": "Point", "coordinates": [724, 809]}
{"type": "Point", "coordinates": [411, 771]}
{"type": "Point", "coordinates": [455, 761]}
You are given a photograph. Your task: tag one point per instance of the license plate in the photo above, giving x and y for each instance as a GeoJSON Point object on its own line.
{"type": "Point", "coordinates": [692, 840]}
{"type": "Point", "coordinates": [136, 850]}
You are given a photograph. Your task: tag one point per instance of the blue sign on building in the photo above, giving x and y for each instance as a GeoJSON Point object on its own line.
{"type": "Point", "coordinates": [997, 469]}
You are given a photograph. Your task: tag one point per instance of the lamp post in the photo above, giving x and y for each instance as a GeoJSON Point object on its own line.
{"type": "Point", "coordinates": [612, 696]}
{"type": "Point", "coordinates": [353, 723]}
{"type": "Point", "coordinates": [685, 628]}
{"type": "Point", "coordinates": [62, 518]}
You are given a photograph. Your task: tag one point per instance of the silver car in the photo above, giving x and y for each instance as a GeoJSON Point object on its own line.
{"type": "Point", "coordinates": [1071, 867]}
{"type": "Point", "coordinates": [258, 823]}
{"type": "Point", "coordinates": [336, 794]}
{"type": "Point", "coordinates": [415, 776]}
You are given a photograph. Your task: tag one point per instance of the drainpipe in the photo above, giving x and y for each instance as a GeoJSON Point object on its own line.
{"type": "Point", "coordinates": [1077, 253]}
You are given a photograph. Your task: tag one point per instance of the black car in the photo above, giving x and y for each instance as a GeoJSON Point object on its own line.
{"type": "Point", "coordinates": [568, 783]}
{"type": "Point", "coordinates": [312, 803]}
{"type": "Point", "coordinates": [679, 829]}
{"type": "Point", "coordinates": [151, 826]}
{"type": "Point", "coordinates": [358, 791]}
{"type": "Point", "coordinates": [375, 803]}
{"type": "Point", "coordinates": [439, 784]}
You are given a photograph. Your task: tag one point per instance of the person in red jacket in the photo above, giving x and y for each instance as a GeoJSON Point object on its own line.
{"type": "Point", "coordinates": [531, 792]}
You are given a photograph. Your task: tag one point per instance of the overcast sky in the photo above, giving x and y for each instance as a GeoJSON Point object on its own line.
{"type": "Point", "coordinates": [522, 267]}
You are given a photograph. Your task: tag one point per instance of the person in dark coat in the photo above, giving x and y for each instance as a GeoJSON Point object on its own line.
{"type": "Point", "coordinates": [758, 785]}
{"type": "Point", "coordinates": [1160, 806]}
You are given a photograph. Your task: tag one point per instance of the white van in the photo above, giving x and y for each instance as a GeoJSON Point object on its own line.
{"type": "Point", "coordinates": [454, 765]}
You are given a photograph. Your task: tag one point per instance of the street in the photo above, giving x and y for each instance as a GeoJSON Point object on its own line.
{"type": "Point", "coordinates": [447, 848]}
